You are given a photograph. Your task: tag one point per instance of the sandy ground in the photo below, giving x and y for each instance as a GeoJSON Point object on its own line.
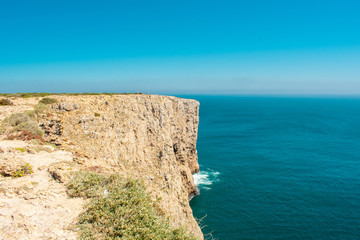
{"type": "Point", "coordinates": [36, 206]}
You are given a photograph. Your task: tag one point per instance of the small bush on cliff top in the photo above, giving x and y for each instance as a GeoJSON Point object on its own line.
{"type": "Point", "coordinates": [5, 102]}
{"type": "Point", "coordinates": [120, 209]}
{"type": "Point", "coordinates": [21, 122]}
{"type": "Point", "coordinates": [86, 184]}
{"type": "Point", "coordinates": [39, 109]}
{"type": "Point", "coordinates": [48, 101]}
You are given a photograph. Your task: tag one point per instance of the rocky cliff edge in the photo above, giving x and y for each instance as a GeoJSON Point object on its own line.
{"type": "Point", "coordinates": [143, 136]}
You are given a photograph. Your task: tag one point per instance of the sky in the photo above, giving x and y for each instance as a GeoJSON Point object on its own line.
{"type": "Point", "coordinates": [181, 47]}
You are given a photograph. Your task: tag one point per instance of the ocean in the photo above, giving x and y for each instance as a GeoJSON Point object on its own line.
{"type": "Point", "coordinates": [278, 167]}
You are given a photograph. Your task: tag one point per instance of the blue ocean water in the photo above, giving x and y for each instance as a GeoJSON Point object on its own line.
{"type": "Point", "coordinates": [279, 168]}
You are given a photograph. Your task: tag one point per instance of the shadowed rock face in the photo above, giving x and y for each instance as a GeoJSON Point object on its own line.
{"type": "Point", "coordinates": [145, 136]}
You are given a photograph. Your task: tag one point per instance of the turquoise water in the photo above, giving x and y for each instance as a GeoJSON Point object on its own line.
{"type": "Point", "coordinates": [279, 168]}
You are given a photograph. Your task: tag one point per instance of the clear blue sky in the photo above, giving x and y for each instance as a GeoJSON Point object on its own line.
{"type": "Point", "coordinates": [180, 47]}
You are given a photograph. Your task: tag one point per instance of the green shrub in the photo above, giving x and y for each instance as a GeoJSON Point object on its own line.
{"type": "Point", "coordinates": [48, 101]}
{"type": "Point", "coordinates": [21, 122]}
{"type": "Point", "coordinates": [97, 114]}
{"type": "Point", "coordinates": [85, 184]}
{"type": "Point", "coordinates": [5, 102]}
{"type": "Point", "coordinates": [120, 208]}
{"type": "Point", "coordinates": [39, 109]}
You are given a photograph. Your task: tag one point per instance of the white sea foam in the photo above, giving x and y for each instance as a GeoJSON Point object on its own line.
{"type": "Point", "coordinates": [205, 178]}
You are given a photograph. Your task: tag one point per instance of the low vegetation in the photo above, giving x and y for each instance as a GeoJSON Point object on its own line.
{"type": "Point", "coordinates": [25, 95]}
{"type": "Point", "coordinates": [47, 101]}
{"type": "Point", "coordinates": [19, 122]}
{"type": "Point", "coordinates": [24, 170]}
{"type": "Point", "coordinates": [28, 95]}
{"type": "Point", "coordinates": [26, 136]}
{"type": "Point", "coordinates": [20, 149]}
{"type": "Point", "coordinates": [120, 209]}
{"type": "Point", "coordinates": [5, 102]}
{"type": "Point", "coordinates": [97, 114]}
{"type": "Point", "coordinates": [23, 126]}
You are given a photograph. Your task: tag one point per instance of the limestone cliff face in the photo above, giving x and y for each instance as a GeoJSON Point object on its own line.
{"type": "Point", "coordinates": [145, 136]}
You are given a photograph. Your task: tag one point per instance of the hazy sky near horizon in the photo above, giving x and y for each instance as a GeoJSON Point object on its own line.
{"type": "Point", "coordinates": [181, 47]}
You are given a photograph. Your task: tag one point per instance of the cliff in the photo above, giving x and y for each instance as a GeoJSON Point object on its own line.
{"type": "Point", "coordinates": [149, 137]}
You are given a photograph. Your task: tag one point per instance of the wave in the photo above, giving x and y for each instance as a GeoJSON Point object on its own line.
{"type": "Point", "coordinates": [205, 178]}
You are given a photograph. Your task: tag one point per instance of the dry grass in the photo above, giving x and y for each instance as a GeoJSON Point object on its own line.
{"type": "Point", "coordinates": [20, 122]}
{"type": "Point", "coordinates": [5, 102]}
{"type": "Point", "coordinates": [25, 136]}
